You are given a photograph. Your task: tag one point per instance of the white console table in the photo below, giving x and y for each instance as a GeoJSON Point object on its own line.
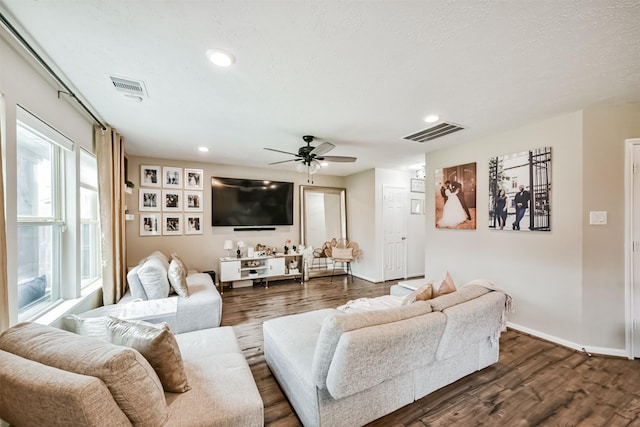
{"type": "Point", "coordinates": [267, 267]}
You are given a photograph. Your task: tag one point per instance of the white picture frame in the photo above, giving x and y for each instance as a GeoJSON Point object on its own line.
{"type": "Point", "coordinates": [150, 176]}
{"type": "Point", "coordinates": [193, 223]}
{"type": "Point", "coordinates": [149, 200]}
{"type": "Point", "coordinates": [193, 179]}
{"type": "Point", "coordinates": [417, 185]}
{"type": "Point", "coordinates": [150, 225]}
{"type": "Point", "coordinates": [193, 201]}
{"type": "Point", "coordinates": [171, 177]}
{"type": "Point", "coordinates": [417, 206]}
{"type": "Point", "coordinates": [172, 200]}
{"type": "Point", "coordinates": [172, 224]}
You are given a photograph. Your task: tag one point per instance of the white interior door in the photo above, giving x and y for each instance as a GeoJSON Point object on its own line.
{"type": "Point", "coordinates": [395, 232]}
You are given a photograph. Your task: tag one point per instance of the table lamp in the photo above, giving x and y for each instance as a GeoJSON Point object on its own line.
{"type": "Point", "coordinates": [228, 245]}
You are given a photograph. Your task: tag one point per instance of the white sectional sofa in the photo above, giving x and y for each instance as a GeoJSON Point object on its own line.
{"type": "Point", "coordinates": [52, 377]}
{"type": "Point", "coordinates": [348, 369]}
{"type": "Point", "coordinates": [198, 305]}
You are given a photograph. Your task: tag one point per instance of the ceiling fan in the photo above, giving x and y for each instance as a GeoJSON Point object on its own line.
{"type": "Point", "coordinates": [310, 157]}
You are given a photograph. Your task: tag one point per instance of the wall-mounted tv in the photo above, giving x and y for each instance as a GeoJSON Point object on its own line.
{"type": "Point", "coordinates": [249, 202]}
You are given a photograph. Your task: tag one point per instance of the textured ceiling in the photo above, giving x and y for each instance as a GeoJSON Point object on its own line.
{"type": "Point", "coordinates": [361, 74]}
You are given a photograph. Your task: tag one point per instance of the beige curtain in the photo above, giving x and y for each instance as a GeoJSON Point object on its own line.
{"type": "Point", "coordinates": [110, 157]}
{"type": "Point", "coordinates": [4, 290]}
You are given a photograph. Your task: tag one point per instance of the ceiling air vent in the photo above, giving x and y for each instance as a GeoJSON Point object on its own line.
{"type": "Point", "coordinates": [130, 88]}
{"type": "Point", "coordinates": [434, 132]}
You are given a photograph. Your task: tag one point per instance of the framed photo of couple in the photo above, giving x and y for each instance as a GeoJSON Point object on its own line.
{"type": "Point", "coordinates": [456, 197]}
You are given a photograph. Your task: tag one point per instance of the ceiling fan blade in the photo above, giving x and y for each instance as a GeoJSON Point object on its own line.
{"type": "Point", "coordinates": [325, 147]}
{"type": "Point", "coordinates": [342, 159]}
{"type": "Point", "coordinates": [285, 161]}
{"type": "Point", "coordinates": [280, 151]}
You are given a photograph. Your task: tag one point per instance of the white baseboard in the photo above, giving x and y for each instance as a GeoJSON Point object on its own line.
{"type": "Point", "coordinates": [592, 350]}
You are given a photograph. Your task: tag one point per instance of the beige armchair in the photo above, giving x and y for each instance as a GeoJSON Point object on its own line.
{"type": "Point", "coordinates": [342, 251]}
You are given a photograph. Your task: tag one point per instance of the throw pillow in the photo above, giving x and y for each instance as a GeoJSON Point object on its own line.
{"type": "Point", "coordinates": [157, 344]}
{"type": "Point", "coordinates": [446, 287]}
{"type": "Point", "coordinates": [94, 327]}
{"type": "Point", "coordinates": [136, 288]}
{"type": "Point", "coordinates": [178, 278]}
{"type": "Point", "coordinates": [180, 262]}
{"type": "Point", "coordinates": [31, 290]}
{"type": "Point", "coordinates": [421, 294]}
{"type": "Point", "coordinates": [342, 253]}
{"type": "Point", "coordinates": [153, 277]}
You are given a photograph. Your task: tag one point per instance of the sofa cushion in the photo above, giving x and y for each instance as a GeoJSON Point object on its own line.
{"type": "Point", "coordinates": [135, 286]}
{"type": "Point", "coordinates": [333, 326]}
{"type": "Point", "coordinates": [178, 278]}
{"type": "Point", "coordinates": [31, 290]}
{"type": "Point", "coordinates": [153, 277]}
{"type": "Point", "coordinates": [132, 382]}
{"type": "Point", "coordinates": [157, 344]}
{"type": "Point", "coordinates": [465, 294]}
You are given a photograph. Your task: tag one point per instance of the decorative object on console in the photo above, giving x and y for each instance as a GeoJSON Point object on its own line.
{"type": "Point", "coordinates": [241, 246]}
{"type": "Point", "coordinates": [228, 245]}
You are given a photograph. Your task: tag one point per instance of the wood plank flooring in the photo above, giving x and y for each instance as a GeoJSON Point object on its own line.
{"type": "Point", "coordinates": [535, 383]}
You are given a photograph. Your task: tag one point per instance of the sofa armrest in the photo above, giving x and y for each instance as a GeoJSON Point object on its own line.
{"type": "Point", "coordinates": [202, 309]}
{"type": "Point", "coordinates": [36, 394]}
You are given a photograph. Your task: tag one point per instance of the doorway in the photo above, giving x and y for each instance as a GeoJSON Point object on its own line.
{"type": "Point", "coordinates": [632, 248]}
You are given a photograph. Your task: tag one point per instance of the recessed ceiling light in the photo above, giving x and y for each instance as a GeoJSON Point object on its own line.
{"type": "Point", "coordinates": [203, 149]}
{"type": "Point", "coordinates": [220, 57]}
{"type": "Point", "coordinates": [431, 119]}
{"type": "Point", "coordinates": [324, 164]}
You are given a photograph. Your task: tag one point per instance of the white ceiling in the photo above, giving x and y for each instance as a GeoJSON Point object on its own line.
{"type": "Point", "coordinates": [361, 74]}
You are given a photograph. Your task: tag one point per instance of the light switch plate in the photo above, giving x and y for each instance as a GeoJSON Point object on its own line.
{"type": "Point", "coordinates": [598, 217]}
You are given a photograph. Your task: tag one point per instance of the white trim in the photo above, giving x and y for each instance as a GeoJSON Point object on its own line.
{"type": "Point", "coordinates": [628, 246]}
{"type": "Point", "coordinates": [575, 346]}
{"type": "Point", "coordinates": [67, 307]}
{"type": "Point", "coordinates": [43, 128]}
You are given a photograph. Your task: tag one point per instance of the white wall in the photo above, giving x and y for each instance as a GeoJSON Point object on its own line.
{"type": "Point", "coordinates": [567, 284]}
{"type": "Point", "coordinates": [361, 227]}
{"type": "Point", "coordinates": [202, 252]}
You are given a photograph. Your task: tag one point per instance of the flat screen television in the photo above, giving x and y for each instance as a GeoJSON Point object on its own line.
{"type": "Point", "coordinates": [249, 202]}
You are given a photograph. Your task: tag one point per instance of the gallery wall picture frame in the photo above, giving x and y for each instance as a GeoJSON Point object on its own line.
{"type": "Point", "coordinates": [172, 224]}
{"type": "Point", "coordinates": [149, 200]}
{"type": "Point", "coordinates": [455, 197]}
{"type": "Point", "coordinates": [417, 206]}
{"type": "Point", "coordinates": [171, 177]}
{"type": "Point", "coordinates": [172, 200]}
{"type": "Point", "coordinates": [150, 224]}
{"type": "Point", "coordinates": [417, 185]}
{"type": "Point", "coordinates": [193, 201]}
{"type": "Point", "coordinates": [193, 224]}
{"type": "Point", "coordinates": [150, 176]}
{"type": "Point", "coordinates": [193, 179]}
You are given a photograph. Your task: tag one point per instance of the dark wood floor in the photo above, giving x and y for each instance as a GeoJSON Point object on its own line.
{"type": "Point", "coordinates": [535, 383]}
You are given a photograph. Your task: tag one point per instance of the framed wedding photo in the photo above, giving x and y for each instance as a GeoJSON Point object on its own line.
{"type": "Point", "coordinates": [171, 225]}
{"type": "Point", "coordinates": [193, 224]}
{"type": "Point", "coordinates": [193, 179]}
{"type": "Point", "coordinates": [455, 197]}
{"type": "Point", "coordinates": [150, 225]}
{"type": "Point", "coordinates": [150, 176]}
{"type": "Point", "coordinates": [172, 200]}
{"type": "Point", "coordinates": [149, 200]}
{"type": "Point", "coordinates": [171, 177]}
{"type": "Point", "coordinates": [193, 201]}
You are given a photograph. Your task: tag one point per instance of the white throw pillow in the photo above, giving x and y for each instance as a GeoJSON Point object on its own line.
{"type": "Point", "coordinates": [178, 278]}
{"type": "Point", "coordinates": [136, 288]}
{"type": "Point", "coordinates": [94, 327]}
{"type": "Point", "coordinates": [153, 277]}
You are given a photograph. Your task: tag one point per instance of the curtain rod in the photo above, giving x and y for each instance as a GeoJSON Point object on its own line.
{"type": "Point", "coordinates": [44, 65]}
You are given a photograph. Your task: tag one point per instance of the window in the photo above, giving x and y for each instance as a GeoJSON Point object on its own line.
{"type": "Point", "coordinates": [89, 219]}
{"type": "Point", "coordinates": [40, 219]}
{"type": "Point", "coordinates": [58, 228]}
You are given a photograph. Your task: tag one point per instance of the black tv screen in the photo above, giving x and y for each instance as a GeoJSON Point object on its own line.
{"type": "Point", "coordinates": [248, 202]}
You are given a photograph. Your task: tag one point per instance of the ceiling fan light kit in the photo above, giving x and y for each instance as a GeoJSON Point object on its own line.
{"type": "Point", "coordinates": [310, 157]}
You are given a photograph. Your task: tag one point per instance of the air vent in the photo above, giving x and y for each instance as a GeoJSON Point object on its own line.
{"type": "Point", "coordinates": [434, 132]}
{"type": "Point", "coordinates": [129, 87]}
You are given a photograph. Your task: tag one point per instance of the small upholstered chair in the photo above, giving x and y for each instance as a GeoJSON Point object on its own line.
{"type": "Point", "coordinates": [344, 252]}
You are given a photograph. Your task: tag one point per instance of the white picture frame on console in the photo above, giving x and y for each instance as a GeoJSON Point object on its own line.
{"type": "Point", "coordinates": [193, 201]}
{"type": "Point", "coordinates": [172, 224]}
{"type": "Point", "coordinates": [172, 200]}
{"type": "Point", "coordinates": [150, 225]}
{"type": "Point", "coordinates": [171, 177]}
{"type": "Point", "coordinates": [149, 200]}
{"type": "Point", "coordinates": [193, 179]}
{"type": "Point", "coordinates": [150, 176]}
{"type": "Point", "coordinates": [193, 224]}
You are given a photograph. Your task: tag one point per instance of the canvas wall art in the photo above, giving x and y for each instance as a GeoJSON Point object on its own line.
{"type": "Point", "coordinates": [520, 191]}
{"type": "Point", "coordinates": [456, 197]}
